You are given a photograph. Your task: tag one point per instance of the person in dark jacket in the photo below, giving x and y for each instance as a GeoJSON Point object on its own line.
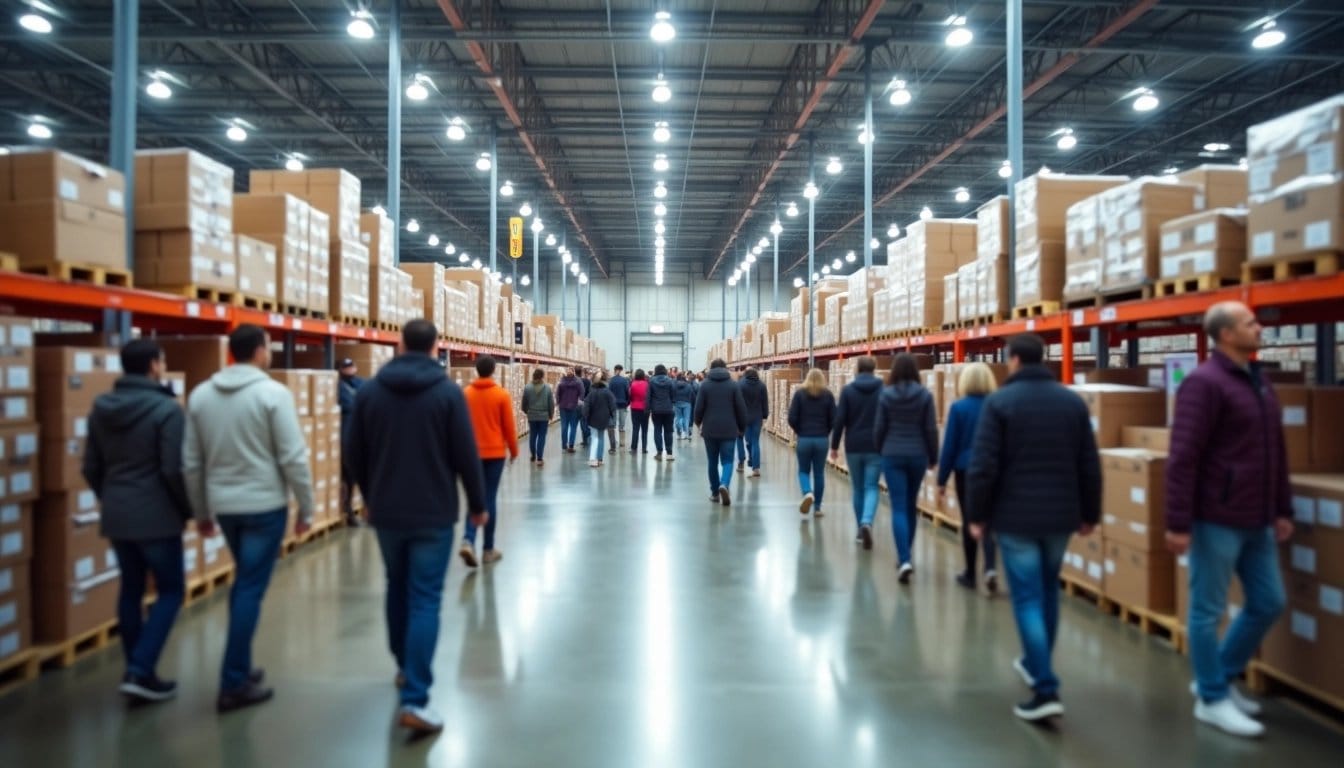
{"type": "Point", "coordinates": [975, 383]}
{"type": "Point", "coordinates": [346, 387]}
{"type": "Point", "coordinates": [600, 413]}
{"type": "Point", "coordinates": [662, 407]}
{"type": "Point", "coordinates": [757, 399]}
{"type": "Point", "coordinates": [721, 415]}
{"type": "Point", "coordinates": [855, 418]}
{"type": "Point", "coordinates": [568, 394]}
{"type": "Point", "coordinates": [538, 404]}
{"type": "Point", "coordinates": [1035, 480]}
{"type": "Point", "coordinates": [585, 431]}
{"type": "Point", "coordinates": [811, 417]}
{"type": "Point", "coordinates": [133, 462]}
{"type": "Point", "coordinates": [410, 443]}
{"type": "Point", "coordinates": [620, 389]}
{"type": "Point", "coordinates": [1229, 503]}
{"type": "Point", "coordinates": [906, 434]}
{"type": "Point", "coordinates": [683, 400]}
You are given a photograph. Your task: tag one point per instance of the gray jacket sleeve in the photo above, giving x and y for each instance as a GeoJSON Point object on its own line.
{"type": "Point", "coordinates": [193, 468]}
{"type": "Point", "coordinates": [291, 451]}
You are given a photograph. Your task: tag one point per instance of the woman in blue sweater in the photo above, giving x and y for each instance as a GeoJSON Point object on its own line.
{"type": "Point", "coordinates": [975, 383]}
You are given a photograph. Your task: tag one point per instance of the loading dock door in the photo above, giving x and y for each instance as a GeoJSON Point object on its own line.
{"type": "Point", "coordinates": [648, 350]}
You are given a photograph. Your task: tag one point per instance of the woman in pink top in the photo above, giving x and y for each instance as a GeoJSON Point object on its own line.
{"type": "Point", "coordinates": [639, 413]}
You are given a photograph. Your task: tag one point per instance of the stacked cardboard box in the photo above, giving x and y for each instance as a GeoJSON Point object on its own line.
{"type": "Point", "coordinates": [334, 227]}
{"type": "Point", "coordinates": [1311, 419]}
{"type": "Point", "coordinates": [183, 221]}
{"type": "Point", "coordinates": [1043, 201]}
{"type": "Point", "coordinates": [1112, 238]}
{"type": "Point", "coordinates": [319, 263]}
{"type": "Point", "coordinates": [932, 250]}
{"type": "Point", "coordinates": [1140, 572]}
{"type": "Point", "coordinates": [19, 483]}
{"type": "Point", "coordinates": [56, 208]}
{"type": "Point", "coordinates": [257, 271]}
{"type": "Point", "coordinates": [1209, 243]}
{"type": "Point", "coordinates": [428, 278]}
{"type": "Point", "coordinates": [991, 262]}
{"type": "Point", "coordinates": [282, 221]}
{"type": "Point", "coordinates": [350, 278]}
{"type": "Point", "coordinates": [968, 292]}
{"type": "Point", "coordinates": [1221, 186]}
{"type": "Point", "coordinates": [1112, 407]}
{"type": "Point", "coordinates": [377, 233]}
{"type": "Point", "coordinates": [952, 295]}
{"type": "Point", "coordinates": [1296, 183]}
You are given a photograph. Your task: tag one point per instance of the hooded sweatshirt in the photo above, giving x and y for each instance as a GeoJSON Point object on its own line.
{"type": "Point", "coordinates": [600, 407]}
{"type": "Point", "coordinates": [662, 394]}
{"type": "Point", "coordinates": [538, 402]}
{"type": "Point", "coordinates": [492, 419]}
{"type": "Point", "coordinates": [133, 461]}
{"type": "Point", "coordinates": [905, 422]}
{"type": "Point", "coordinates": [568, 392]}
{"type": "Point", "coordinates": [857, 415]}
{"type": "Point", "coordinates": [244, 451]}
{"type": "Point", "coordinates": [756, 397]}
{"type": "Point", "coordinates": [410, 440]}
{"type": "Point", "coordinates": [720, 411]}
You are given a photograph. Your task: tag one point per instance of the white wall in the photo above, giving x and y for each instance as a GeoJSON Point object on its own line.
{"type": "Point", "coordinates": [630, 303]}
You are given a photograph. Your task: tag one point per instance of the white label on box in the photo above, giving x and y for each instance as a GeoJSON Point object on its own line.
{"type": "Point", "coordinates": [244, 283]}
{"type": "Point", "coordinates": [1138, 495]}
{"type": "Point", "coordinates": [1261, 176]}
{"type": "Point", "coordinates": [84, 568]}
{"type": "Point", "coordinates": [16, 408]}
{"type": "Point", "coordinates": [1316, 234]}
{"type": "Point", "coordinates": [115, 199]}
{"type": "Point", "coordinates": [1093, 419]}
{"type": "Point", "coordinates": [1108, 314]}
{"type": "Point", "coordinates": [17, 377]}
{"type": "Point", "coordinates": [1094, 571]}
{"type": "Point", "coordinates": [1320, 158]}
{"type": "Point", "coordinates": [21, 336]}
{"type": "Point", "coordinates": [1330, 513]}
{"type": "Point", "coordinates": [83, 362]}
{"type": "Point", "coordinates": [88, 500]}
{"type": "Point", "coordinates": [1183, 561]}
{"type": "Point", "coordinates": [1295, 416]}
{"type": "Point", "coordinates": [179, 387]}
{"type": "Point", "coordinates": [1110, 519]}
{"type": "Point", "coordinates": [10, 514]}
{"type": "Point", "coordinates": [1206, 233]}
{"type": "Point", "coordinates": [1139, 528]}
{"type": "Point", "coordinates": [25, 445]}
{"type": "Point", "coordinates": [1304, 626]}
{"type": "Point", "coordinates": [1156, 377]}
{"type": "Point", "coordinates": [81, 427]}
{"type": "Point", "coordinates": [11, 543]}
{"type": "Point", "coordinates": [1304, 509]}
{"type": "Point", "coordinates": [6, 580]}
{"type": "Point", "coordinates": [110, 560]}
{"type": "Point", "coordinates": [1171, 241]}
{"type": "Point", "coordinates": [9, 644]}
{"type": "Point", "coordinates": [68, 190]}
{"type": "Point", "coordinates": [9, 613]}
{"type": "Point", "coordinates": [1262, 245]}
{"type": "Point", "coordinates": [1332, 600]}
{"type": "Point", "coordinates": [21, 482]}
{"type": "Point", "coordinates": [1110, 566]}
{"type": "Point", "coordinates": [1304, 559]}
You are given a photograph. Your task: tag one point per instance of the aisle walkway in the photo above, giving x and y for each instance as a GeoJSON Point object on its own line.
{"type": "Point", "coordinates": [632, 623]}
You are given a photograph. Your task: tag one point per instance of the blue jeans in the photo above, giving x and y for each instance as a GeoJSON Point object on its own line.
{"type": "Point", "coordinates": [682, 423]}
{"type": "Point", "coordinates": [416, 562]}
{"type": "Point", "coordinates": [904, 474]}
{"type": "Point", "coordinates": [536, 438]}
{"type": "Point", "coordinates": [864, 471]}
{"type": "Point", "coordinates": [1032, 564]}
{"type": "Point", "coordinates": [494, 471]}
{"type": "Point", "coordinates": [753, 445]}
{"type": "Point", "coordinates": [254, 541]}
{"type": "Point", "coordinates": [142, 639]}
{"type": "Point", "coordinates": [719, 459]}
{"type": "Point", "coordinates": [1216, 552]}
{"type": "Point", "coordinates": [639, 429]}
{"type": "Point", "coordinates": [811, 453]}
{"type": "Point", "coordinates": [597, 449]}
{"type": "Point", "coordinates": [569, 424]}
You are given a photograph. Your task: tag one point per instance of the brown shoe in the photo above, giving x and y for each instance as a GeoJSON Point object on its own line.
{"type": "Point", "coordinates": [492, 556]}
{"type": "Point", "coordinates": [419, 719]}
{"type": "Point", "coordinates": [725, 498]}
{"type": "Point", "coordinates": [468, 555]}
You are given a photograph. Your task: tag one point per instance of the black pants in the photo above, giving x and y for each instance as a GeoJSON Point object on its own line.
{"type": "Point", "coordinates": [662, 432]}
{"type": "Point", "coordinates": [968, 542]}
{"type": "Point", "coordinates": [640, 420]}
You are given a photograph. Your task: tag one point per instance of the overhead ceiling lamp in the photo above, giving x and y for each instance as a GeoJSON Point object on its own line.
{"type": "Point", "coordinates": [660, 163]}
{"type": "Point", "coordinates": [550, 241]}
{"type": "Point", "coordinates": [893, 232]}
{"type": "Point", "coordinates": [756, 249]}
{"type": "Point", "coordinates": [457, 129]}
{"type": "Point", "coordinates": [662, 133]}
{"type": "Point", "coordinates": [1269, 37]}
{"type": "Point", "coordinates": [751, 257]}
{"type": "Point", "coordinates": [732, 280]}
{"type": "Point", "coordinates": [574, 268]}
{"type": "Point", "coordinates": [900, 93]}
{"type": "Point", "coordinates": [658, 280]}
{"type": "Point", "coordinates": [660, 210]}
{"type": "Point", "coordinates": [475, 263]}
{"type": "Point", "coordinates": [833, 166]}
{"type": "Point", "coordinates": [483, 162]}
{"type": "Point", "coordinates": [525, 280]}
{"type": "Point", "coordinates": [433, 241]}
{"type": "Point", "coordinates": [237, 130]}
{"type": "Point", "coordinates": [925, 213]}
{"type": "Point", "coordinates": [36, 23]}
{"type": "Point", "coordinates": [462, 259]}
{"type": "Point", "coordinates": [660, 228]}
{"type": "Point", "coordinates": [1170, 170]}
{"type": "Point", "coordinates": [815, 277]}
{"type": "Point", "coordinates": [378, 209]}
{"type": "Point", "coordinates": [792, 210]}
{"type": "Point", "coordinates": [537, 226]}
{"type": "Point", "coordinates": [850, 257]}
{"type": "Point", "coordinates": [157, 88]}
{"type": "Point", "coordinates": [838, 265]}
{"type": "Point", "coordinates": [1241, 163]}
{"type": "Point", "coordinates": [962, 195]}
{"type": "Point", "coordinates": [659, 242]}
{"type": "Point", "coordinates": [875, 243]}
{"type": "Point", "coordinates": [1067, 140]}
{"type": "Point", "coordinates": [583, 278]}
{"type": "Point", "coordinates": [662, 92]}
{"type": "Point", "coordinates": [525, 209]}
{"type": "Point", "coordinates": [811, 191]}
{"type": "Point", "coordinates": [1144, 99]}
{"type": "Point", "coordinates": [864, 135]}
{"type": "Point", "coordinates": [294, 162]}
{"type": "Point", "coordinates": [508, 281]}
{"type": "Point", "coordinates": [826, 269]}
{"type": "Point", "coordinates": [959, 36]}
{"type": "Point", "coordinates": [1217, 146]}
{"type": "Point", "coordinates": [38, 129]}
{"type": "Point", "coordinates": [776, 228]}
{"type": "Point", "coordinates": [660, 191]}
{"type": "Point", "coordinates": [449, 249]}
{"type": "Point", "coordinates": [507, 189]}
{"type": "Point", "coordinates": [662, 30]}
{"type": "Point", "coordinates": [361, 25]}
{"type": "Point", "coordinates": [412, 226]}
{"type": "Point", "coordinates": [418, 90]}
{"type": "Point", "coordinates": [797, 282]}
{"type": "Point", "coordinates": [1006, 170]}
{"type": "Point", "coordinates": [565, 258]}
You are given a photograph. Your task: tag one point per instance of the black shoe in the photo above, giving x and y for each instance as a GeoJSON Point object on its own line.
{"type": "Point", "coordinates": [146, 689]}
{"type": "Point", "coordinates": [248, 696]}
{"type": "Point", "coordinates": [992, 581]}
{"type": "Point", "coordinates": [866, 536]}
{"type": "Point", "coordinates": [352, 521]}
{"type": "Point", "coordinates": [966, 580]}
{"type": "Point", "coordinates": [256, 676]}
{"type": "Point", "coordinates": [1040, 707]}
{"type": "Point", "coordinates": [724, 497]}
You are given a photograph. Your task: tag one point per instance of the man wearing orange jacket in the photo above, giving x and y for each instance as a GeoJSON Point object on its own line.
{"type": "Point", "coordinates": [492, 420]}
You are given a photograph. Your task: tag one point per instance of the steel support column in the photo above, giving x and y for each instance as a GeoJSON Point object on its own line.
{"type": "Point", "coordinates": [125, 66]}
{"type": "Point", "coordinates": [868, 156]}
{"type": "Point", "coordinates": [774, 304]}
{"type": "Point", "coordinates": [494, 196]}
{"type": "Point", "coordinates": [811, 250]}
{"type": "Point", "coordinates": [394, 126]}
{"type": "Point", "coordinates": [1015, 153]}
{"type": "Point", "coordinates": [1327, 373]}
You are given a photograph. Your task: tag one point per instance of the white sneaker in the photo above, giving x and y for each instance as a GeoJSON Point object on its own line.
{"type": "Point", "coordinates": [805, 505]}
{"type": "Point", "coordinates": [420, 719]}
{"type": "Point", "coordinates": [1225, 716]}
{"type": "Point", "coordinates": [1248, 706]}
{"type": "Point", "coordinates": [1020, 667]}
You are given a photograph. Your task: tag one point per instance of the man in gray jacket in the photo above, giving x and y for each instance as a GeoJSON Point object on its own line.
{"type": "Point", "coordinates": [243, 455]}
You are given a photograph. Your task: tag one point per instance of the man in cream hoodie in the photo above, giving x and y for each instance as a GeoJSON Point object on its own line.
{"type": "Point", "coordinates": [243, 454]}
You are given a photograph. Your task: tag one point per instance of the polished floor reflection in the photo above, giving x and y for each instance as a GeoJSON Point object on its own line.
{"type": "Point", "coordinates": [633, 623]}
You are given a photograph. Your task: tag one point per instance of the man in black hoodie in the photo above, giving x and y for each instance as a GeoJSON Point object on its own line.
{"type": "Point", "coordinates": [854, 421]}
{"type": "Point", "coordinates": [757, 400]}
{"type": "Point", "coordinates": [409, 444]}
{"type": "Point", "coordinates": [663, 409]}
{"type": "Point", "coordinates": [620, 389]}
{"type": "Point", "coordinates": [721, 415]}
{"type": "Point", "coordinates": [133, 462]}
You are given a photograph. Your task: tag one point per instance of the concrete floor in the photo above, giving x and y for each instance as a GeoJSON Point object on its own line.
{"type": "Point", "coordinates": [632, 623]}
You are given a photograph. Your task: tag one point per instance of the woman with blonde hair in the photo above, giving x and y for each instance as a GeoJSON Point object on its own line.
{"type": "Point", "coordinates": [975, 383]}
{"type": "Point", "coordinates": [811, 416]}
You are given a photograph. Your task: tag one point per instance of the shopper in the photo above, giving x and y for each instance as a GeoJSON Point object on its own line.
{"type": "Point", "coordinates": [586, 380]}
{"type": "Point", "coordinates": [906, 434]}
{"type": "Point", "coordinates": [620, 389]}
{"type": "Point", "coordinates": [721, 415]}
{"type": "Point", "coordinates": [568, 395]}
{"type": "Point", "coordinates": [243, 455]}
{"type": "Point", "coordinates": [639, 413]}
{"type": "Point", "coordinates": [662, 407]}
{"type": "Point", "coordinates": [695, 381]}
{"type": "Point", "coordinates": [1229, 505]}
{"type": "Point", "coordinates": [855, 418]}
{"type": "Point", "coordinates": [812, 417]}
{"type": "Point", "coordinates": [411, 439]}
{"type": "Point", "coordinates": [1035, 480]}
{"type": "Point", "coordinates": [492, 421]}
{"type": "Point", "coordinates": [346, 387]}
{"type": "Point", "coordinates": [133, 463]}
{"type": "Point", "coordinates": [683, 401]}
{"type": "Point", "coordinates": [600, 413]}
{"type": "Point", "coordinates": [974, 384]}
{"type": "Point", "coordinates": [539, 407]}
{"type": "Point", "coordinates": [757, 400]}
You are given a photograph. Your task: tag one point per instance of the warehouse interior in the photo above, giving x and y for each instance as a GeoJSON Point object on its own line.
{"type": "Point", "coordinates": [779, 184]}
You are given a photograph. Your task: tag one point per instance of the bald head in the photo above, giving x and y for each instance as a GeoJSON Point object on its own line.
{"type": "Point", "coordinates": [1232, 326]}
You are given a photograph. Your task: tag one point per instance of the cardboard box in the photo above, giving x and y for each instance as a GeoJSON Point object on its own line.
{"type": "Point", "coordinates": [44, 232]}
{"type": "Point", "coordinates": [1305, 143]}
{"type": "Point", "coordinates": [17, 372]}
{"type": "Point", "coordinates": [1318, 538]}
{"type": "Point", "coordinates": [16, 607]}
{"type": "Point", "coordinates": [378, 233]}
{"type": "Point", "coordinates": [64, 611]}
{"type": "Point", "coordinates": [1085, 561]}
{"type": "Point", "coordinates": [215, 555]}
{"type": "Point", "coordinates": [257, 273]}
{"type": "Point", "coordinates": [1311, 433]}
{"type": "Point", "coordinates": [16, 533]}
{"type": "Point", "coordinates": [299, 383]}
{"type": "Point", "coordinates": [1112, 407]}
{"type": "Point", "coordinates": [324, 395]}
{"type": "Point", "coordinates": [1040, 273]}
{"type": "Point", "coordinates": [1305, 643]}
{"type": "Point", "coordinates": [1298, 218]}
{"type": "Point", "coordinates": [1133, 377]}
{"type": "Point", "coordinates": [332, 191]}
{"type": "Point", "coordinates": [1043, 201]}
{"type": "Point", "coordinates": [1083, 248]}
{"type": "Point", "coordinates": [991, 229]}
{"type": "Point", "coordinates": [1211, 242]}
{"type": "Point", "coordinates": [50, 175]}
{"type": "Point", "coordinates": [181, 189]}
{"type": "Point", "coordinates": [350, 280]}
{"type": "Point", "coordinates": [69, 548]}
{"type": "Point", "coordinates": [19, 477]}
{"type": "Point", "coordinates": [1131, 218]}
{"type": "Point", "coordinates": [178, 258]}
{"type": "Point", "coordinates": [1221, 186]}
{"type": "Point", "coordinates": [1141, 579]}
{"type": "Point", "coordinates": [1134, 498]}
{"type": "Point", "coordinates": [1155, 439]}
{"type": "Point", "coordinates": [197, 357]}
{"type": "Point", "coordinates": [284, 222]}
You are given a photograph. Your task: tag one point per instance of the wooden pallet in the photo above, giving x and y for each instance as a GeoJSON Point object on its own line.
{"type": "Point", "coordinates": [360, 322]}
{"type": "Point", "coordinates": [205, 586]}
{"type": "Point", "coordinates": [64, 654]}
{"type": "Point", "coordinates": [19, 668]}
{"type": "Point", "coordinates": [1073, 587]}
{"type": "Point", "coordinates": [1080, 302]}
{"type": "Point", "coordinates": [1177, 286]}
{"type": "Point", "coordinates": [938, 518]}
{"type": "Point", "coordinates": [1282, 270]}
{"type": "Point", "coordinates": [76, 273]}
{"type": "Point", "coordinates": [1264, 679]}
{"type": "Point", "coordinates": [978, 320]}
{"type": "Point", "coordinates": [1151, 623]}
{"type": "Point", "coordinates": [1136, 292]}
{"type": "Point", "coordinates": [393, 328]}
{"type": "Point", "coordinates": [9, 263]}
{"type": "Point", "coordinates": [910, 333]}
{"type": "Point", "coordinates": [201, 293]}
{"type": "Point", "coordinates": [1039, 309]}
{"type": "Point", "coordinates": [256, 302]}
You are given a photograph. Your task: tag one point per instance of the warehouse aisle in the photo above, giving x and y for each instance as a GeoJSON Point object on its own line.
{"type": "Point", "coordinates": [632, 623]}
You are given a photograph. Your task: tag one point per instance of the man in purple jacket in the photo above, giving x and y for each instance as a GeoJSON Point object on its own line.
{"type": "Point", "coordinates": [1228, 504]}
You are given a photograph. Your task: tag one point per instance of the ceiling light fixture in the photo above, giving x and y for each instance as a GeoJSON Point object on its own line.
{"type": "Point", "coordinates": [412, 226]}
{"type": "Point", "coordinates": [418, 90]}
{"type": "Point", "coordinates": [659, 242]}
{"type": "Point", "coordinates": [850, 257]}
{"type": "Point", "coordinates": [658, 280]}
{"type": "Point", "coordinates": [457, 129]}
{"type": "Point", "coordinates": [756, 250]}
{"type": "Point", "coordinates": [660, 191]}
{"type": "Point", "coordinates": [662, 92]}
{"type": "Point", "coordinates": [1217, 146]}
{"type": "Point", "coordinates": [1067, 140]}
{"type": "Point", "coordinates": [810, 191]}
{"type": "Point", "coordinates": [574, 268]}
{"type": "Point", "coordinates": [776, 228]}
{"type": "Point", "coordinates": [475, 263]}
{"type": "Point", "coordinates": [751, 257]}
{"type": "Point", "coordinates": [960, 35]}
{"type": "Point", "coordinates": [507, 189]}
{"type": "Point", "coordinates": [525, 209]}
{"type": "Point", "coordinates": [837, 265]}
{"type": "Point", "coordinates": [39, 129]}
{"type": "Point", "coordinates": [1269, 37]}
{"type": "Point", "coordinates": [583, 278]}
{"type": "Point", "coordinates": [797, 282]}
{"type": "Point", "coordinates": [361, 25]}
{"type": "Point", "coordinates": [538, 226]}
{"type": "Point", "coordinates": [826, 270]}
{"type": "Point", "coordinates": [157, 88]}
{"type": "Point", "coordinates": [1145, 100]}
{"type": "Point", "coordinates": [660, 228]}
{"type": "Point", "coordinates": [660, 210]}
{"type": "Point", "coordinates": [35, 23]}
{"type": "Point", "coordinates": [550, 241]}
{"type": "Point", "coordinates": [900, 93]}
{"type": "Point", "coordinates": [864, 135]}
{"type": "Point", "coordinates": [792, 210]}
{"type": "Point", "coordinates": [378, 209]}
{"type": "Point", "coordinates": [662, 30]}
{"type": "Point", "coordinates": [525, 280]}
{"type": "Point", "coordinates": [449, 249]}
{"type": "Point", "coordinates": [833, 166]}
{"type": "Point", "coordinates": [236, 132]}
{"type": "Point", "coordinates": [433, 241]}
{"type": "Point", "coordinates": [925, 213]}
{"type": "Point", "coordinates": [962, 195]}
{"type": "Point", "coordinates": [463, 258]}
{"type": "Point", "coordinates": [483, 162]}
{"type": "Point", "coordinates": [893, 232]}
{"type": "Point", "coordinates": [875, 243]}
{"type": "Point", "coordinates": [815, 277]}
{"type": "Point", "coordinates": [661, 132]}
{"type": "Point", "coordinates": [1006, 170]}
{"type": "Point", "coordinates": [1170, 170]}
{"type": "Point", "coordinates": [294, 163]}
{"type": "Point", "coordinates": [660, 163]}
